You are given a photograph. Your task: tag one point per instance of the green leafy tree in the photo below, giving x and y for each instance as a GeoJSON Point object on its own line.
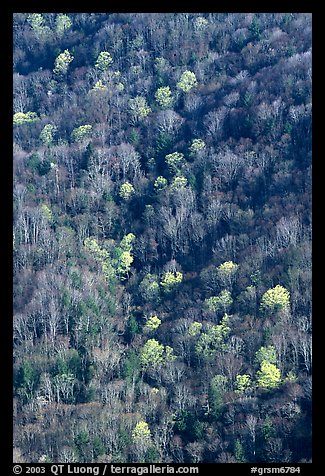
{"type": "Point", "coordinates": [37, 23]}
{"type": "Point", "coordinates": [179, 182]}
{"type": "Point", "coordinates": [149, 289]}
{"type": "Point", "coordinates": [47, 134]}
{"type": "Point", "coordinates": [187, 81]}
{"type": "Point", "coordinates": [200, 23]}
{"type": "Point", "coordinates": [243, 383]}
{"type": "Point", "coordinates": [99, 86]}
{"type": "Point", "coordinates": [169, 354]}
{"type": "Point", "coordinates": [126, 190]}
{"type": "Point", "coordinates": [239, 452]}
{"type": "Point", "coordinates": [226, 272]}
{"type": "Point", "coordinates": [266, 354]}
{"type": "Point", "coordinates": [124, 264]}
{"type": "Point", "coordinates": [164, 141]}
{"type": "Point", "coordinates": [124, 258]}
{"type": "Point", "coordinates": [141, 437]}
{"type": "Point", "coordinates": [164, 97]}
{"type": "Point", "coordinates": [104, 61]}
{"type": "Point", "coordinates": [268, 429]}
{"type": "Point", "coordinates": [132, 328]}
{"type": "Point", "coordinates": [63, 23]}
{"type": "Point", "coordinates": [197, 145]}
{"type": "Point", "coordinates": [81, 133]}
{"type": "Point", "coordinates": [213, 339]}
{"type": "Point", "coordinates": [195, 329]}
{"type": "Point", "coordinates": [152, 324]}
{"type": "Point", "coordinates": [98, 446]}
{"type": "Point", "coordinates": [26, 380]}
{"type": "Point", "coordinates": [269, 376]}
{"type": "Point", "coordinates": [20, 118]}
{"type": "Point", "coordinates": [221, 302]}
{"type": "Point", "coordinates": [103, 257]}
{"type": "Point", "coordinates": [127, 241]}
{"type": "Point", "coordinates": [152, 354]}
{"type": "Point", "coordinates": [174, 161]}
{"type": "Point", "coordinates": [62, 62]}
{"type": "Point", "coordinates": [47, 212]}
{"type": "Point", "coordinates": [275, 299]}
{"type": "Point", "coordinates": [131, 365]}
{"type": "Point", "coordinates": [171, 280]}
{"type": "Point", "coordinates": [141, 431]}
{"type": "Point", "coordinates": [160, 183]}
{"type": "Point", "coordinates": [138, 108]}
{"type": "Point", "coordinates": [255, 29]}
{"type": "Point", "coordinates": [44, 167]}
{"type": "Point", "coordinates": [217, 389]}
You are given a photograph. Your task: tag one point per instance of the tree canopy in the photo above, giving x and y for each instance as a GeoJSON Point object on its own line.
{"type": "Point", "coordinates": [162, 290]}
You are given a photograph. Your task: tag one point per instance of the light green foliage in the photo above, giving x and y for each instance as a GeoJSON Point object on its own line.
{"type": "Point", "coordinates": [62, 62]}
{"type": "Point", "coordinates": [197, 146]}
{"type": "Point", "coordinates": [213, 339]}
{"type": "Point", "coordinates": [47, 212]}
{"type": "Point", "coordinates": [164, 97]}
{"type": "Point", "coordinates": [221, 302]}
{"type": "Point", "coordinates": [126, 190]}
{"type": "Point", "coordinates": [47, 134]}
{"type": "Point", "coordinates": [212, 303]}
{"type": "Point", "coordinates": [275, 299]}
{"type": "Point", "coordinates": [152, 354]}
{"type": "Point", "coordinates": [80, 133]}
{"type": "Point", "coordinates": [62, 24]}
{"type": "Point", "coordinates": [266, 354]}
{"type": "Point", "coordinates": [170, 280]}
{"type": "Point", "coordinates": [124, 265]}
{"type": "Point", "coordinates": [24, 118]}
{"type": "Point", "coordinates": [36, 21]}
{"type": "Point", "coordinates": [200, 23]}
{"type": "Point", "coordinates": [99, 86]}
{"type": "Point", "coordinates": [269, 376]}
{"type": "Point", "coordinates": [243, 383]}
{"type": "Point", "coordinates": [126, 242]}
{"type": "Point", "coordinates": [152, 323]}
{"type": "Point", "coordinates": [179, 182]}
{"type": "Point", "coordinates": [224, 325]}
{"type": "Point", "coordinates": [149, 289]}
{"type": "Point", "coordinates": [169, 354]}
{"type": "Point", "coordinates": [139, 108]}
{"type": "Point", "coordinates": [102, 256]}
{"type": "Point", "coordinates": [103, 61]}
{"type": "Point", "coordinates": [124, 257]}
{"type": "Point", "coordinates": [226, 272]}
{"type": "Point", "coordinates": [141, 432]}
{"type": "Point", "coordinates": [174, 161]}
{"type": "Point", "coordinates": [160, 183]}
{"type": "Point", "coordinates": [187, 81]}
{"type": "Point", "coordinates": [195, 329]}
{"type": "Point", "coordinates": [97, 252]}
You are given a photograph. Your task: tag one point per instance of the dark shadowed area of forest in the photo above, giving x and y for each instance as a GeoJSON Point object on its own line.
{"type": "Point", "coordinates": [162, 237]}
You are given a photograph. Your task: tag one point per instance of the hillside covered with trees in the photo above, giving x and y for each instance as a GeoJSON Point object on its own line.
{"type": "Point", "coordinates": [162, 237]}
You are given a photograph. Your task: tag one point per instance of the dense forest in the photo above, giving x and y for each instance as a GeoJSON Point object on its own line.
{"type": "Point", "coordinates": [162, 237]}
